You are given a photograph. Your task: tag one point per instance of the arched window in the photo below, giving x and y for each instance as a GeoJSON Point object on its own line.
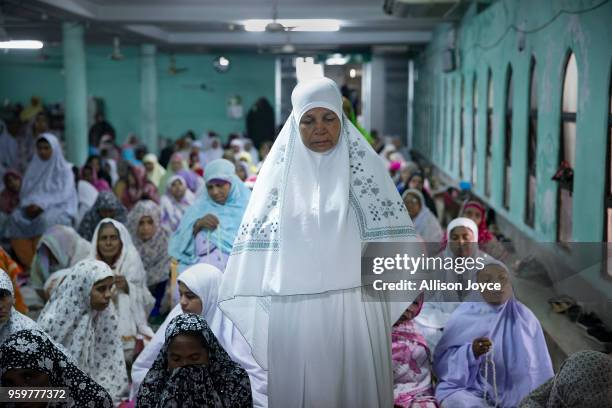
{"type": "Point", "coordinates": [532, 146]}
{"type": "Point", "coordinates": [567, 150]}
{"type": "Point", "coordinates": [488, 146]}
{"type": "Point", "coordinates": [474, 128]}
{"type": "Point", "coordinates": [508, 139]}
{"type": "Point", "coordinates": [461, 124]}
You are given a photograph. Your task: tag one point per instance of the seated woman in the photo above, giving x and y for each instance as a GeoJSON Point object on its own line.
{"type": "Point", "coordinates": [208, 228]}
{"type": "Point", "coordinates": [195, 183]}
{"type": "Point", "coordinates": [151, 241]}
{"type": "Point", "coordinates": [90, 175]}
{"type": "Point", "coordinates": [11, 320]}
{"type": "Point", "coordinates": [48, 197]}
{"type": "Point", "coordinates": [193, 370]}
{"type": "Point", "coordinates": [81, 317]}
{"type": "Point", "coordinates": [425, 222]}
{"type": "Point", "coordinates": [493, 350]}
{"type": "Point", "coordinates": [584, 381]}
{"type": "Point", "coordinates": [60, 248]}
{"type": "Point", "coordinates": [412, 385]}
{"type": "Point", "coordinates": [462, 239]}
{"type": "Point", "coordinates": [112, 245]}
{"type": "Point", "coordinates": [486, 239]}
{"type": "Point", "coordinates": [107, 205]}
{"type": "Point", "coordinates": [198, 287]}
{"type": "Point", "coordinates": [138, 188]}
{"type": "Point", "coordinates": [176, 164]}
{"type": "Point", "coordinates": [87, 198]}
{"type": "Point", "coordinates": [175, 202]}
{"type": "Point", "coordinates": [417, 182]}
{"type": "Point", "coordinates": [155, 171]}
{"type": "Point", "coordinates": [29, 359]}
{"type": "Point", "coordinates": [9, 197]}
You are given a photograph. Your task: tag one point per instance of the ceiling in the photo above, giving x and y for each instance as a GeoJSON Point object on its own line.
{"type": "Point", "coordinates": [201, 25]}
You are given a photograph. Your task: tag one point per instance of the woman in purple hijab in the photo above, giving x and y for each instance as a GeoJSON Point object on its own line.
{"type": "Point", "coordinates": [493, 351]}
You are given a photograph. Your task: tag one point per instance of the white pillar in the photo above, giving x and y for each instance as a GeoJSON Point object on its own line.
{"type": "Point", "coordinates": [148, 97]}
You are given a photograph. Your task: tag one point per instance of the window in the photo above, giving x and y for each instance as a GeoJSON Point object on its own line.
{"type": "Point", "coordinates": [532, 146]}
{"type": "Point", "coordinates": [508, 140]}
{"type": "Point", "coordinates": [461, 124]}
{"type": "Point", "coordinates": [488, 146]}
{"type": "Point", "coordinates": [474, 129]}
{"type": "Point", "coordinates": [567, 147]}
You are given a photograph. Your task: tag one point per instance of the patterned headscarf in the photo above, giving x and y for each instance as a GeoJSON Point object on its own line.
{"type": "Point", "coordinates": [221, 383]}
{"type": "Point", "coordinates": [31, 349]}
{"type": "Point", "coordinates": [107, 200]}
{"type": "Point", "coordinates": [154, 252]}
{"type": "Point", "coordinates": [484, 235]}
{"type": "Point", "coordinates": [16, 321]}
{"type": "Point", "coordinates": [91, 337]}
{"type": "Point", "coordinates": [584, 380]}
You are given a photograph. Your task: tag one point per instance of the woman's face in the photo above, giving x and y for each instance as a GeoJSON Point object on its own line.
{"type": "Point", "coordinates": [13, 183]}
{"type": "Point", "coordinates": [101, 293]}
{"type": "Point", "coordinates": [6, 305]}
{"type": "Point", "coordinates": [218, 191]}
{"type": "Point", "coordinates": [87, 174]}
{"type": "Point", "coordinates": [149, 166]}
{"type": "Point", "coordinates": [25, 377]}
{"type": "Point", "coordinates": [186, 349]}
{"type": "Point", "coordinates": [132, 182]}
{"type": "Point", "coordinates": [320, 129]}
{"type": "Point", "coordinates": [176, 165]}
{"type": "Point", "coordinates": [461, 242]}
{"type": "Point", "coordinates": [473, 214]}
{"type": "Point", "coordinates": [177, 189]}
{"type": "Point", "coordinates": [41, 125]}
{"type": "Point", "coordinates": [495, 274]}
{"type": "Point", "coordinates": [44, 150]}
{"type": "Point", "coordinates": [413, 205]}
{"type": "Point", "coordinates": [416, 183]}
{"type": "Point", "coordinates": [240, 172]}
{"type": "Point", "coordinates": [109, 243]}
{"type": "Point", "coordinates": [94, 162]}
{"type": "Point", "coordinates": [189, 301]}
{"type": "Point", "coordinates": [146, 228]}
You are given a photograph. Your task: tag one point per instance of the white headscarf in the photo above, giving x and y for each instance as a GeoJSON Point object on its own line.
{"type": "Point", "coordinates": [463, 222]}
{"type": "Point", "coordinates": [16, 321]}
{"type": "Point", "coordinates": [425, 223]}
{"type": "Point", "coordinates": [307, 218]}
{"type": "Point", "coordinates": [133, 309]}
{"type": "Point", "coordinates": [204, 281]}
{"type": "Point", "coordinates": [91, 337]}
{"type": "Point", "coordinates": [212, 153]}
{"type": "Point", "coordinates": [50, 183]}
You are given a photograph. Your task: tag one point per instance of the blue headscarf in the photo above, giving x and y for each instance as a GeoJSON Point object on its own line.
{"type": "Point", "coordinates": [182, 242]}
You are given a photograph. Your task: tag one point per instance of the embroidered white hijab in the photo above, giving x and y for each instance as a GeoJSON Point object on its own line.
{"type": "Point", "coordinates": [307, 218]}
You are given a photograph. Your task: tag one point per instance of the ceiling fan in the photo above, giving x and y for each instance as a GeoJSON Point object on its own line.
{"type": "Point", "coordinates": [274, 26]}
{"type": "Point", "coordinates": [173, 69]}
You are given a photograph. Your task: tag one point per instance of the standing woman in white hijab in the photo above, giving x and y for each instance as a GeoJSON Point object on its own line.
{"type": "Point", "coordinates": [48, 197]}
{"type": "Point", "coordinates": [293, 284]}
{"type": "Point", "coordinates": [199, 289]}
{"type": "Point", "coordinates": [113, 245]}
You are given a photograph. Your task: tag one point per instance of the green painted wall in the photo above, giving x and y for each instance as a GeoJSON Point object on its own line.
{"type": "Point", "coordinates": [182, 104]}
{"type": "Point", "coordinates": [485, 41]}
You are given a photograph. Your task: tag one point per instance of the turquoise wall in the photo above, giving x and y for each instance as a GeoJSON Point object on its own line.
{"type": "Point", "coordinates": [486, 41]}
{"type": "Point", "coordinates": [182, 105]}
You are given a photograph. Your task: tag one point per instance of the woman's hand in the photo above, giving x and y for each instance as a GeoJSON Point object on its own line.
{"type": "Point", "coordinates": [32, 211]}
{"type": "Point", "coordinates": [481, 346]}
{"type": "Point", "coordinates": [209, 222]}
{"type": "Point", "coordinates": [122, 284]}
